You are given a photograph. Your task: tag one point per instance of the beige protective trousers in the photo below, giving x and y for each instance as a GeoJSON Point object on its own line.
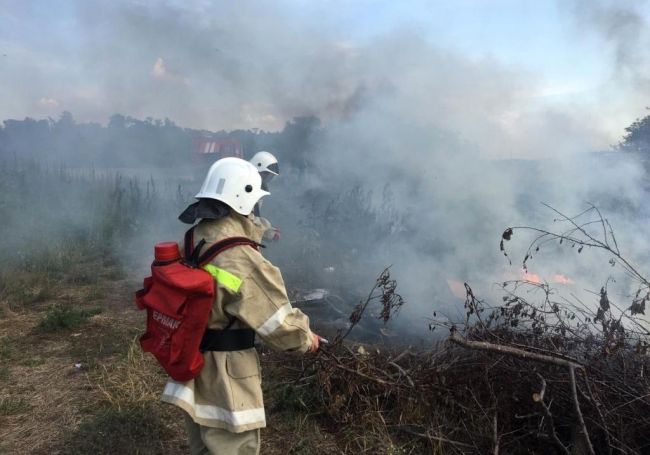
{"type": "Point", "coordinates": [215, 441]}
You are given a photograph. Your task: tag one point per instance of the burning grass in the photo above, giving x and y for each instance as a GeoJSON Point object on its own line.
{"type": "Point", "coordinates": [491, 391]}
{"type": "Point", "coordinates": [533, 374]}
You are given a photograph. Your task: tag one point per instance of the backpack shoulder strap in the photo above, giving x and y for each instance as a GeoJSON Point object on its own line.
{"type": "Point", "coordinates": [224, 245]}
{"type": "Point", "coordinates": [188, 243]}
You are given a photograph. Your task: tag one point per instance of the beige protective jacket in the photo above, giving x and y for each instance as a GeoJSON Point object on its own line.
{"type": "Point", "coordinates": [227, 393]}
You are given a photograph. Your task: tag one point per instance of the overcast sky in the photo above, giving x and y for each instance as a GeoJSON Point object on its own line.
{"type": "Point", "coordinates": [512, 65]}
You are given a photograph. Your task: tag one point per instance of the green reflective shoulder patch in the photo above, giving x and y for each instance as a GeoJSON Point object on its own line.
{"type": "Point", "coordinates": [224, 278]}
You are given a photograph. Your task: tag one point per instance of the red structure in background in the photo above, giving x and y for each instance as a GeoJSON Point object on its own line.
{"type": "Point", "coordinates": [210, 149]}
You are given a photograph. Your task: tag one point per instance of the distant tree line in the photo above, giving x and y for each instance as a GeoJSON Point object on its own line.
{"type": "Point", "coordinates": [637, 137]}
{"type": "Point", "coordinates": [130, 142]}
{"type": "Point", "coordinates": [126, 141]}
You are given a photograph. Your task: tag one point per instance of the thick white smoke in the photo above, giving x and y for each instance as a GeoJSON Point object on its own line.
{"type": "Point", "coordinates": [398, 110]}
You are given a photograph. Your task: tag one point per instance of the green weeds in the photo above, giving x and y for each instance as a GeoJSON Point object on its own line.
{"type": "Point", "coordinates": [77, 233]}
{"type": "Point", "coordinates": [20, 288]}
{"type": "Point", "coordinates": [12, 406]}
{"type": "Point", "coordinates": [115, 274]}
{"type": "Point", "coordinates": [108, 340]}
{"type": "Point", "coordinates": [63, 317]}
{"type": "Point", "coordinates": [32, 362]}
{"type": "Point", "coordinates": [6, 354]}
{"type": "Point", "coordinates": [95, 292]}
{"type": "Point", "coordinates": [6, 349]}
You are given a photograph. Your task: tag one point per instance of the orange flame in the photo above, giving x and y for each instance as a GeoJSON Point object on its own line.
{"type": "Point", "coordinates": [556, 278]}
{"type": "Point", "coordinates": [457, 288]}
{"type": "Point", "coordinates": [561, 279]}
{"type": "Point", "coordinates": [532, 277]}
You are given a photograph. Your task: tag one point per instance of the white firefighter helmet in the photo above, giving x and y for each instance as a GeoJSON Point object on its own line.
{"type": "Point", "coordinates": [265, 162]}
{"type": "Point", "coordinates": [235, 182]}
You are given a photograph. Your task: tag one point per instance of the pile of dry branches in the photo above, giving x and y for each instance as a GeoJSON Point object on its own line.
{"type": "Point", "coordinates": [530, 375]}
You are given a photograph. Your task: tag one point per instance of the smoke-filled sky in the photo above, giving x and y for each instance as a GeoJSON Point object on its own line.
{"type": "Point", "coordinates": [519, 78]}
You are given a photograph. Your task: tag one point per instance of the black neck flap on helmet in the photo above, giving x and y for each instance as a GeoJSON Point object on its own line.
{"type": "Point", "coordinates": [209, 209]}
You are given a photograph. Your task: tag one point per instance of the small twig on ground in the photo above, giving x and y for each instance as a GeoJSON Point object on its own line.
{"type": "Point", "coordinates": [429, 436]}
{"type": "Point", "coordinates": [403, 372]}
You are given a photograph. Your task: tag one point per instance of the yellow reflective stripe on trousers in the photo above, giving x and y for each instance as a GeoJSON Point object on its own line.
{"type": "Point", "coordinates": [224, 278]}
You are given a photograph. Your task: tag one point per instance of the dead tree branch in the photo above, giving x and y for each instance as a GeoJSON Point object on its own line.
{"type": "Point", "coordinates": [507, 350]}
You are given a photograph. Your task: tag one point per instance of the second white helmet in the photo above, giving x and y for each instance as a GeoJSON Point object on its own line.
{"type": "Point", "coordinates": [235, 182]}
{"type": "Point", "coordinates": [265, 162]}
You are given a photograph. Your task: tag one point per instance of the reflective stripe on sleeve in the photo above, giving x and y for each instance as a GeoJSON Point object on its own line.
{"type": "Point", "coordinates": [275, 321]}
{"type": "Point", "coordinates": [175, 391]}
{"type": "Point", "coordinates": [224, 278]}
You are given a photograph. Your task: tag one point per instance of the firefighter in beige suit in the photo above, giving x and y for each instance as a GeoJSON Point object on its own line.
{"type": "Point", "coordinates": [224, 403]}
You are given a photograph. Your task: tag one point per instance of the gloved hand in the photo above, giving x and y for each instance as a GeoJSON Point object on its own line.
{"type": "Point", "coordinates": [315, 343]}
{"type": "Point", "coordinates": [272, 234]}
